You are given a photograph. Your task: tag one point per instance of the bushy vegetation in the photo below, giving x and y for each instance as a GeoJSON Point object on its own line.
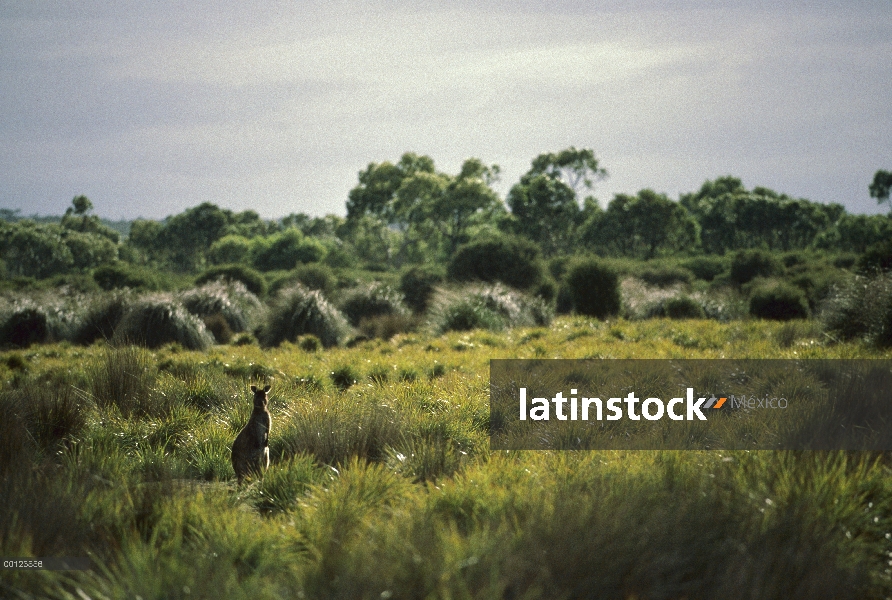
{"type": "Point", "coordinates": [154, 321]}
{"type": "Point", "coordinates": [122, 275]}
{"type": "Point", "coordinates": [516, 262]}
{"type": "Point", "coordinates": [861, 309]}
{"type": "Point", "coordinates": [370, 301]}
{"type": "Point", "coordinates": [418, 285]}
{"type": "Point", "coordinates": [876, 259]}
{"type": "Point", "coordinates": [778, 301]}
{"type": "Point", "coordinates": [297, 311]}
{"type": "Point", "coordinates": [233, 303]}
{"type": "Point", "coordinates": [706, 268]}
{"type": "Point", "coordinates": [487, 307]}
{"type": "Point", "coordinates": [593, 288]}
{"type": "Point", "coordinates": [746, 265]}
{"type": "Point", "coordinates": [665, 275]}
{"type": "Point", "coordinates": [383, 484]}
{"type": "Point", "coordinates": [251, 279]}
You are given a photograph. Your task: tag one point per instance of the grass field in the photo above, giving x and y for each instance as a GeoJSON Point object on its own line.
{"type": "Point", "coordinates": [382, 483]}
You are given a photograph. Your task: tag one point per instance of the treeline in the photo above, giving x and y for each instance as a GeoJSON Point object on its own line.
{"type": "Point", "coordinates": [409, 213]}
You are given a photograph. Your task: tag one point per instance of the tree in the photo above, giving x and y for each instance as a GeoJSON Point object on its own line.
{"type": "Point", "coordinates": [544, 210]}
{"type": "Point", "coordinates": [378, 184]}
{"type": "Point", "coordinates": [578, 169]}
{"type": "Point", "coordinates": [545, 202]}
{"type": "Point", "coordinates": [188, 235]}
{"type": "Point", "coordinates": [77, 218]}
{"type": "Point", "coordinates": [881, 186]}
{"type": "Point", "coordinates": [285, 250]}
{"type": "Point", "coordinates": [644, 225]}
{"type": "Point", "coordinates": [82, 206]}
{"type": "Point", "coordinates": [448, 204]}
{"type": "Point", "coordinates": [37, 250]}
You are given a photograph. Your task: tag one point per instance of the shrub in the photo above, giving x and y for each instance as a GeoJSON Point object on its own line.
{"type": "Point", "coordinates": [706, 268]}
{"type": "Point", "coordinates": [876, 259]}
{"type": "Point", "coordinates": [252, 280]}
{"type": "Point", "coordinates": [298, 311]}
{"type": "Point", "coordinates": [778, 301]}
{"type": "Point", "coordinates": [231, 301]}
{"type": "Point", "coordinates": [845, 261]}
{"type": "Point", "coordinates": [316, 277]}
{"type": "Point", "coordinates": [512, 261]}
{"type": "Point", "coordinates": [862, 309]}
{"type": "Point", "coordinates": [313, 276]}
{"type": "Point", "coordinates": [664, 276]}
{"type": "Point", "coordinates": [102, 319]}
{"type": "Point", "coordinates": [24, 327]}
{"type": "Point", "coordinates": [157, 320]}
{"type": "Point", "coordinates": [372, 300]}
{"type": "Point", "coordinates": [749, 264]}
{"type": "Point", "coordinates": [816, 280]}
{"type": "Point", "coordinates": [417, 285]}
{"type": "Point", "coordinates": [593, 288]}
{"type": "Point", "coordinates": [121, 275]}
{"type": "Point", "coordinates": [229, 249]}
{"type": "Point", "coordinates": [682, 307]}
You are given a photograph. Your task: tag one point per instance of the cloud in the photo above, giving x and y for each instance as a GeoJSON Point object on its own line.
{"type": "Point", "coordinates": [276, 106]}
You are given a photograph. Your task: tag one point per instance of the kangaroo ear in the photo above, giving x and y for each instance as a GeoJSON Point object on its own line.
{"type": "Point", "coordinates": [254, 388]}
{"type": "Point", "coordinates": [266, 389]}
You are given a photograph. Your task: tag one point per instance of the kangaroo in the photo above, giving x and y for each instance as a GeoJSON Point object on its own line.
{"type": "Point", "coordinates": [250, 451]}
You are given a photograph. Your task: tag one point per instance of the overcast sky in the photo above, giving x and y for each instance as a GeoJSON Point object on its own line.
{"type": "Point", "coordinates": [152, 107]}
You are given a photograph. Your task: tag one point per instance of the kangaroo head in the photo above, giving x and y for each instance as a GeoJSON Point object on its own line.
{"type": "Point", "coordinates": [260, 399]}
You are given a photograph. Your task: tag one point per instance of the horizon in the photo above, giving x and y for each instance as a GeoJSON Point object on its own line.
{"type": "Point", "coordinates": [275, 107]}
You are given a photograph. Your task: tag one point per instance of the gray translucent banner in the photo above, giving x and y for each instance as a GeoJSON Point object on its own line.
{"type": "Point", "coordinates": [747, 404]}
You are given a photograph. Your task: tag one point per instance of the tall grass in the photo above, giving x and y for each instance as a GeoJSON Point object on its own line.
{"type": "Point", "coordinates": [389, 488]}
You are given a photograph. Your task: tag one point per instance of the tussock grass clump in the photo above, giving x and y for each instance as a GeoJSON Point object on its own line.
{"type": "Point", "coordinates": [50, 315]}
{"type": "Point", "coordinates": [494, 307]}
{"type": "Point", "coordinates": [861, 309]}
{"type": "Point", "coordinates": [24, 327]}
{"type": "Point", "coordinates": [372, 300]}
{"type": "Point", "coordinates": [418, 285]}
{"type": "Point", "coordinates": [333, 431]}
{"type": "Point", "coordinates": [102, 318]}
{"type": "Point", "coordinates": [251, 279]}
{"type": "Point", "coordinates": [313, 276]}
{"type": "Point", "coordinates": [298, 311]}
{"type": "Point", "coordinates": [232, 302]}
{"type": "Point", "coordinates": [124, 378]}
{"type": "Point", "coordinates": [154, 321]}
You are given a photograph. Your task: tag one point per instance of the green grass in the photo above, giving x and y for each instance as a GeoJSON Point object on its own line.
{"type": "Point", "coordinates": [387, 488]}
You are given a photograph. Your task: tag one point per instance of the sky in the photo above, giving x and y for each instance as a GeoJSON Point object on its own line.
{"type": "Point", "coordinates": [149, 108]}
